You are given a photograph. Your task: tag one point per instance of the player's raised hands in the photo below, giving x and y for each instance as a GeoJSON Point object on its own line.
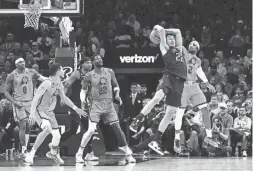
{"type": "Point", "coordinates": [31, 120]}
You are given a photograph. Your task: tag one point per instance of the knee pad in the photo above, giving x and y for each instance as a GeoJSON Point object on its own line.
{"type": "Point", "coordinates": [46, 126]}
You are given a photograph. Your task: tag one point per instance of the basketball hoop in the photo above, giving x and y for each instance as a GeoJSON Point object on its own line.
{"type": "Point", "coordinates": [32, 14]}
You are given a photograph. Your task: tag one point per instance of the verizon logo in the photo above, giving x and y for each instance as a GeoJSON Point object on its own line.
{"type": "Point", "coordinates": [138, 59]}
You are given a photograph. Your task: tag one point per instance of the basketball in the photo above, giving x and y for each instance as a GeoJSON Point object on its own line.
{"type": "Point", "coordinates": [155, 37]}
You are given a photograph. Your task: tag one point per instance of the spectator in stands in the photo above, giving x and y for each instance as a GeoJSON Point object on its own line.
{"type": "Point", "coordinates": [214, 105]}
{"type": "Point", "coordinates": [17, 51]}
{"type": "Point", "coordinates": [30, 60]}
{"type": "Point", "coordinates": [241, 131]}
{"type": "Point", "coordinates": [8, 43]}
{"type": "Point", "coordinates": [8, 66]}
{"type": "Point", "coordinates": [227, 87]}
{"type": "Point", "coordinates": [224, 117]}
{"type": "Point", "coordinates": [248, 59]}
{"type": "Point", "coordinates": [220, 136]}
{"type": "Point", "coordinates": [221, 69]}
{"type": "Point", "coordinates": [236, 43]}
{"type": "Point", "coordinates": [187, 38]}
{"type": "Point", "coordinates": [143, 91]}
{"type": "Point", "coordinates": [206, 37]}
{"type": "Point", "coordinates": [26, 48]}
{"type": "Point", "coordinates": [238, 98]}
{"type": "Point", "coordinates": [214, 77]}
{"type": "Point", "coordinates": [51, 52]}
{"type": "Point", "coordinates": [123, 39]}
{"type": "Point", "coordinates": [45, 45]}
{"type": "Point", "coordinates": [132, 22]}
{"type": "Point", "coordinates": [242, 84]}
{"type": "Point", "coordinates": [231, 109]}
{"type": "Point", "coordinates": [111, 25]}
{"type": "Point", "coordinates": [204, 61]}
{"type": "Point", "coordinates": [109, 39]}
{"type": "Point", "coordinates": [37, 54]}
{"type": "Point", "coordinates": [2, 57]}
{"type": "Point", "coordinates": [220, 91]}
{"type": "Point", "coordinates": [44, 39]}
{"type": "Point", "coordinates": [248, 106]}
{"type": "Point", "coordinates": [140, 40]}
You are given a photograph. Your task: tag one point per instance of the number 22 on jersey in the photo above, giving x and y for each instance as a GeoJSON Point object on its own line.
{"type": "Point", "coordinates": [179, 57]}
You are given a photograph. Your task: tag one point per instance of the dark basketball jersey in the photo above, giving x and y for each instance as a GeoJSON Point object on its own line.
{"type": "Point", "coordinates": [175, 63]}
{"type": "Point", "coordinates": [76, 88]}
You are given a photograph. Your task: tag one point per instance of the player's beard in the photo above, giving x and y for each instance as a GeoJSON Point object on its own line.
{"type": "Point", "coordinates": [192, 51]}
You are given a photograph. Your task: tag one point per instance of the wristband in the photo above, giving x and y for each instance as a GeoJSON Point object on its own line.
{"type": "Point", "coordinates": [116, 89]}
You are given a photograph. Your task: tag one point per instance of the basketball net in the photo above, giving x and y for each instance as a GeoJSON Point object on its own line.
{"type": "Point", "coordinates": [32, 14]}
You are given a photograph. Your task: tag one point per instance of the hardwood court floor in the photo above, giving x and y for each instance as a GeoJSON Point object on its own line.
{"type": "Point", "coordinates": [116, 163]}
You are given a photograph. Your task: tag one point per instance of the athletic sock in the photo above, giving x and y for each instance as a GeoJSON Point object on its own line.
{"type": "Point", "coordinates": [80, 151]}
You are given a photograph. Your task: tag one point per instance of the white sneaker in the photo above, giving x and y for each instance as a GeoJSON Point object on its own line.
{"type": "Point", "coordinates": [156, 147]}
{"type": "Point", "coordinates": [57, 158]}
{"type": "Point", "coordinates": [79, 158]}
{"type": "Point", "coordinates": [91, 157]}
{"type": "Point", "coordinates": [29, 158]}
{"type": "Point", "coordinates": [244, 153]}
{"type": "Point", "coordinates": [130, 159]}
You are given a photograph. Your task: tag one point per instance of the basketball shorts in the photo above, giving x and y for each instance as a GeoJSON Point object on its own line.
{"type": "Point", "coordinates": [104, 110]}
{"type": "Point", "coordinates": [50, 116]}
{"type": "Point", "coordinates": [22, 113]}
{"type": "Point", "coordinates": [192, 94]}
{"type": "Point", "coordinates": [172, 87]}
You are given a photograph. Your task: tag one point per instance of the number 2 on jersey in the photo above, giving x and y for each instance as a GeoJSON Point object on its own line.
{"type": "Point", "coordinates": [190, 69]}
{"type": "Point", "coordinates": [24, 89]}
{"type": "Point", "coordinates": [179, 57]}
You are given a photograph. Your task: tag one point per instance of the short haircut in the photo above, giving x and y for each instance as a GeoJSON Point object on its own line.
{"type": "Point", "coordinates": [214, 95]}
{"type": "Point", "coordinates": [143, 85]}
{"type": "Point", "coordinates": [53, 68]}
{"type": "Point", "coordinates": [83, 60]}
{"type": "Point", "coordinates": [134, 84]}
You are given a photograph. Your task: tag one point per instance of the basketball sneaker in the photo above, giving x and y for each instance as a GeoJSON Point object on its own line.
{"type": "Point", "coordinates": [29, 158]}
{"type": "Point", "coordinates": [130, 159]}
{"type": "Point", "coordinates": [57, 158]}
{"type": "Point", "coordinates": [244, 153]}
{"type": "Point", "coordinates": [156, 147]}
{"type": "Point", "coordinates": [177, 147]}
{"type": "Point", "coordinates": [137, 122]}
{"type": "Point", "coordinates": [184, 152]}
{"type": "Point", "coordinates": [79, 158]}
{"type": "Point", "coordinates": [91, 157]}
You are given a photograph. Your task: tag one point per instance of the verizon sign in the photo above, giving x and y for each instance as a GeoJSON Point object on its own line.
{"type": "Point", "coordinates": [138, 59]}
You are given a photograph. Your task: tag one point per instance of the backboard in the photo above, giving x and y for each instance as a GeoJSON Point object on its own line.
{"type": "Point", "coordinates": [50, 7]}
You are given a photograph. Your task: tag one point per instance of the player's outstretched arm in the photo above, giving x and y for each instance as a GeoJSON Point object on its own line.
{"type": "Point", "coordinates": [178, 35]}
{"type": "Point", "coordinates": [115, 86]}
{"type": "Point", "coordinates": [70, 80]}
{"type": "Point", "coordinates": [85, 86]}
{"type": "Point", "coordinates": [38, 76]}
{"type": "Point", "coordinates": [69, 103]}
{"type": "Point", "coordinates": [163, 44]}
{"type": "Point", "coordinates": [45, 85]}
{"type": "Point", "coordinates": [8, 88]}
{"type": "Point", "coordinates": [202, 76]}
